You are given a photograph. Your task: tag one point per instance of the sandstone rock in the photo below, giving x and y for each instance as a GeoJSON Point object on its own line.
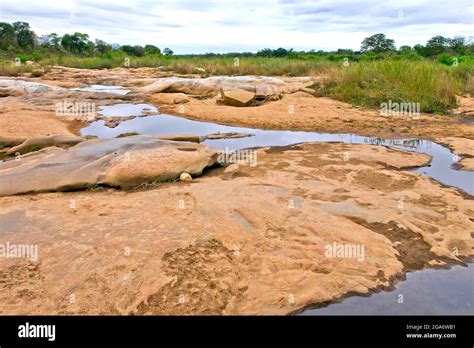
{"type": "Point", "coordinates": [120, 162]}
{"type": "Point", "coordinates": [181, 99]}
{"type": "Point", "coordinates": [170, 98]}
{"type": "Point", "coordinates": [185, 177]}
{"type": "Point", "coordinates": [36, 143]}
{"type": "Point", "coordinates": [113, 122]}
{"type": "Point", "coordinates": [180, 137]}
{"type": "Point", "coordinates": [20, 86]}
{"type": "Point", "coordinates": [209, 87]}
{"type": "Point", "coordinates": [237, 97]}
{"type": "Point", "coordinates": [185, 237]}
{"type": "Point", "coordinates": [9, 142]}
{"type": "Point", "coordinates": [247, 87]}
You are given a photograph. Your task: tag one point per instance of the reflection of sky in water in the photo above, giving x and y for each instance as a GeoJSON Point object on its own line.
{"type": "Point", "coordinates": [126, 110]}
{"type": "Point", "coordinates": [439, 168]}
{"type": "Point", "coordinates": [103, 89]}
{"type": "Point", "coordinates": [425, 292]}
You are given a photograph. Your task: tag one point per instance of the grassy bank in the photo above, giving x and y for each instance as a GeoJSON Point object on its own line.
{"type": "Point", "coordinates": [432, 85]}
{"type": "Point", "coordinates": [211, 65]}
{"type": "Point", "coordinates": [365, 83]}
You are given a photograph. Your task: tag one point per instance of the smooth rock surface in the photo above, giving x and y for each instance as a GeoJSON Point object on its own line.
{"type": "Point", "coordinates": [45, 141]}
{"type": "Point", "coordinates": [121, 162]}
{"type": "Point", "coordinates": [236, 97]}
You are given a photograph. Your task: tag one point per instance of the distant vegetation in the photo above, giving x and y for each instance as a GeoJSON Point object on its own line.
{"type": "Point", "coordinates": [431, 74]}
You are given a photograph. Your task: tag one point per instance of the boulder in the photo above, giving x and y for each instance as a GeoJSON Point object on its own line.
{"type": "Point", "coordinates": [37, 143]}
{"type": "Point", "coordinates": [237, 97]}
{"type": "Point", "coordinates": [120, 162]}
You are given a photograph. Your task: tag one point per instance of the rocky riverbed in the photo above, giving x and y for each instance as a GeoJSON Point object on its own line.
{"type": "Point", "coordinates": [298, 225]}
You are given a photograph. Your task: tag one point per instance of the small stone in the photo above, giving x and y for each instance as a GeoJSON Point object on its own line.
{"type": "Point", "coordinates": [185, 177]}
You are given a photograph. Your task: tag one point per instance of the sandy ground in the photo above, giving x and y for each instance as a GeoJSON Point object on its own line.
{"type": "Point", "coordinates": [240, 239]}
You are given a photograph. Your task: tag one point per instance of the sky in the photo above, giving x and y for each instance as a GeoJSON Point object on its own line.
{"type": "Point", "coordinates": [194, 26]}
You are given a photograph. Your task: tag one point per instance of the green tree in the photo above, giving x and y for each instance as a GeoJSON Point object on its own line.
{"type": "Point", "coordinates": [377, 43]}
{"type": "Point", "coordinates": [281, 52]}
{"type": "Point", "coordinates": [133, 50]}
{"type": "Point", "coordinates": [405, 49]}
{"type": "Point", "coordinates": [25, 37]}
{"type": "Point", "coordinates": [168, 52]}
{"type": "Point", "coordinates": [102, 47]}
{"type": "Point", "coordinates": [437, 45]}
{"type": "Point", "coordinates": [51, 41]}
{"type": "Point", "coordinates": [458, 45]}
{"type": "Point", "coordinates": [7, 36]}
{"type": "Point", "coordinates": [150, 49]}
{"type": "Point", "coordinates": [75, 43]}
{"type": "Point", "coordinates": [266, 52]}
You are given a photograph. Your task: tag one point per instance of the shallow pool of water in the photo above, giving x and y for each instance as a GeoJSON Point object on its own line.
{"type": "Point", "coordinates": [127, 109]}
{"type": "Point", "coordinates": [103, 89]}
{"type": "Point", "coordinates": [425, 292]}
{"type": "Point", "coordinates": [440, 168]}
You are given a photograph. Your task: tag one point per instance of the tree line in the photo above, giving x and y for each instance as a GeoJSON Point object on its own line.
{"type": "Point", "coordinates": [18, 37]}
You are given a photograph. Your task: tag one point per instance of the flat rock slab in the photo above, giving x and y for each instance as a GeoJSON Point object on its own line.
{"type": "Point", "coordinates": [237, 97]}
{"type": "Point", "coordinates": [124, 162]}
{"type": "Point", "coordinates": [45, 141]}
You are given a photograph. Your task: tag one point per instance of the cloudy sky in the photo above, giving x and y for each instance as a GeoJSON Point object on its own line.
{"type": "Point", "coordinates": [198, 26]}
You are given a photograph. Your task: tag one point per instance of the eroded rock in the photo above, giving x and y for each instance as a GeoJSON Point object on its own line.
{"type": "Point", "coordinates": [37, 143]}
{"type": "Point", "coordinates": [121, 162]}
{"type": "Point", "coordinates": [237, 97]}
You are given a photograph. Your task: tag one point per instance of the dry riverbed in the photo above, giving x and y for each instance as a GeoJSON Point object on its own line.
{"type": "Point", "coordinates": [239, 239]}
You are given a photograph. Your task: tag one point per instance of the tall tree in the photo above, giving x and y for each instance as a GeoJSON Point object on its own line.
{"type": "Point", "coordinates": [377, 43]}
{"type": "Point", "coordinates": [150, 49]}
{"type": "Point", "coordinates": [50, 41]}
{"type": "Point", "coordinates": [7, 36]}
{"type": "Point", "coordinates": [436, 45]}
{"type": "Point", "coordinates": [168, 52]}
{"type": "Point", "coordinates": [75, 43]}
{"type": "Point", "coordinates": [102, 47]}
{"type": "Point", "coordinates": [25, 37]}
{"type": "Point", "coordinates": [458, 45]}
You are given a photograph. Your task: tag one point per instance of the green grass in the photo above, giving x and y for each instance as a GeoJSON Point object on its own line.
{"type": "Point", "coordinates": [33, 148]}
{"type": "Point", "coordinates": [431, 83]}
{"type": "Point", "coordinates": [211, 65]}
{"type": "Point", "coordinates": [8, 69]}
{"type": "Point", "coordinates": [369, 84]}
